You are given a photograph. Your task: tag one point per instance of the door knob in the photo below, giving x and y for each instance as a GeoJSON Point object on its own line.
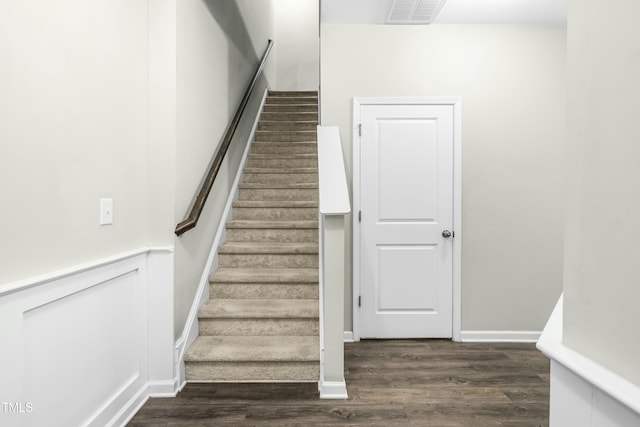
{"type": "Point", "coordinates": [446, 234]}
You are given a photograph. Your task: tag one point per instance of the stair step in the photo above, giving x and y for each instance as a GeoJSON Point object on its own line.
{"type": "Point", "coordinates": [290, 117]}
{"type": "Point", "coordinates": [237, 290]}
{"type": "Point", "coordinates": [278, 185]}
{"type": "Point", "coordinates": [268, 248]}
{"type": "Point", "coordinates": [275, 204]}
{"type": "Point", "coordinates": [279, 177]}
{"type": "Point", "coordinates": [278, 148]}
{"type": "Point", "coordinates": [284, 170]}
{"type": "Point", "coordinates": [289, 100]}
{"type": "Point", "coordinates": [251, 359]}
{"type": "Point", "coordinates": [267, 260]}
{"type": "Point", "coordinates": [275, 213]}
{"type": "Point", "coordinates": [268, 255]}
{"type": "Point", "coordinates": [254, 349]}
{"type": "Point", "coordinates": [260, 309]}
{"type": "Point", "coordinates": [284, 136]}
{"type": "Point", "coordinates": [283, 108]}
{"type": "Point", "coordinates": [259, 317]}
{"type": "Point", "coordinates": [265, 275]}
{"type": "Point", "coordinates": [290, 93]}
{"type": "Point", "coordinates": [274, 162]}
{"type": "Point", "coordinates": [278, 194]}
{"type": "Point", "coordinates": [287, 126]}
{"type": "Point", "coordinates": [313, 224]}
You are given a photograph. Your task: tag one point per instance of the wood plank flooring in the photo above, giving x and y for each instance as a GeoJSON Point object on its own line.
{"type": "Point", "coordinates": [391, 383]}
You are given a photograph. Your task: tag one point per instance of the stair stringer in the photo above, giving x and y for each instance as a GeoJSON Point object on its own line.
{"type": "Point", "coordinates": [190, 331]}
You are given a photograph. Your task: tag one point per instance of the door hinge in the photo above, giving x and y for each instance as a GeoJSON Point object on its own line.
{"type": "Point", "coordinates": [359, 301]}
{"type": "Point", "coordinates": [360, 130]}
{"type": "Point", "coordinates": [359, 216]}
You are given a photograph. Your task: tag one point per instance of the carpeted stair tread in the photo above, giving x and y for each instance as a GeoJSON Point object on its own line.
{"type": "Point", "coordinates": [268, 248]}
{"type": "Point", "coordinates": [280, 170]}
{"type": "Point", "coordinates": [265, 275]}
{"type": "Point", "coordinates": [260, 309]}
{"type": "Point", "coordinates": [291, 93]}
{"type": "Point", "coordinates": [279, 185]}
{"type": "Point", "coordinates": [275, 204]}
{"type": "Point", "coordinates": [239, 223]}
{"type": "Point", "coordinates": [254, 349]}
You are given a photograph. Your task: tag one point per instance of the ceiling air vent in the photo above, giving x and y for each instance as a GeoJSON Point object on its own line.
{"type": "Point", "coordinates": [414, 11]}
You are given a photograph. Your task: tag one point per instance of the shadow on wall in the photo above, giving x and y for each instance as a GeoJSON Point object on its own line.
{"type": "Point", "coordinates": [242, 61]}
{"type": "Point", "coordinates": [230, 20]}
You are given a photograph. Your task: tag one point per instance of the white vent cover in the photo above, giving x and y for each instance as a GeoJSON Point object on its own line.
{"type": "Point", "coordinates": [414, 11]}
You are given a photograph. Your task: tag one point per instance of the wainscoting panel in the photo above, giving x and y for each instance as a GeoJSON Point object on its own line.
{"type": "Point", "coordinates": [77, 346]}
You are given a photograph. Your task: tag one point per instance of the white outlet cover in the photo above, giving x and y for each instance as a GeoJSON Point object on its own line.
{"type": "Point", "coordinates": [106, 211]}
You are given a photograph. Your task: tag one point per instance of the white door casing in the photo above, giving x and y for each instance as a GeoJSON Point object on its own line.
{"type": "Point", "coordinates": [406, 273]}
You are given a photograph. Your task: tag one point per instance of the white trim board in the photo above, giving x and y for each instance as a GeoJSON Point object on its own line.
{"type": "Point", "coordinates": [456, 102]}
{"type": "Point", "coordinates": [190, 331]}
{"type": "Point", "coordinates": [582, 386]}
{"type": "Point", "coordinates": [500, 336]}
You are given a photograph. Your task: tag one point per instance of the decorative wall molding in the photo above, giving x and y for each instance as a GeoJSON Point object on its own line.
{"type": "Point", "coordinates": [92, 336]}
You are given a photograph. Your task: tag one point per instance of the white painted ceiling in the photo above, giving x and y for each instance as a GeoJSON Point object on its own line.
{"type": "Point", "coordinates": [550, 12]}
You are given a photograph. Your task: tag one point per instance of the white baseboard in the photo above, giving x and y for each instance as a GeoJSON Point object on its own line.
{"type": "Point", "coordinates": [583, 392]}
{"type": "Point", "coordinates": [500, 336]}
{"type": "Point", "coordinates": [190, 331]}
{"type": "Point", "coordinates": [333, 390]}
{"type": "Point", "coordinates": [108, 318]}
{"type": "Point", "coordinates": [348, 336]}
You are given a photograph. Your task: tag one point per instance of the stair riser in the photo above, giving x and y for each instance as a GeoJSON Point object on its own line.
{"type": "Point", "coordinates": [293, 136]}
{"type": "Point", "coordinates": [270, 214]}
{"type": "Point", "coordinates": [291, 149]}
{"type": "Point", "coordinates": [276, 108]}
{"type": "Point", "coordinates": [258, 327]}
{"type": "Point", "coordinates": [290, 117]}
{"type": "Point", "coordinates": [277, 194]}
{"type": "Point", "coordinates": [272, 235]}
{"type": "Point", "coordinates": [252, 371]}
{"type": "Point", "coordinates": [289, 100]}
{"type": "Point", "coordinates": [286, 126]}
{"type": "Point", "coordinates": [275, 178]}
{"type": "Point", "coordinates": [263, 290]}
{"type": "Point", "coordinates": [280, 163]}
{"type": "Point", "coordinates": [267, 261]}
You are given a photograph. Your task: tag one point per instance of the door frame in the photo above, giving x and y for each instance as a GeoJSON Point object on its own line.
{"type": "Point", "coordinates": [456, 103]}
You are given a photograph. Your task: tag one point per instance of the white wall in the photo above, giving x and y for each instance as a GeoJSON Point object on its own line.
{"type": "Point", "coordinates": [215, 61]}
{"type": "Point", "coordinates": [297, 44]}
{"type": "Point", "coordinates": [512, 83]}
{"type": "Point", "coordinates": [601, 289]}
{"type": "Point", "coordinates": [74, 129]}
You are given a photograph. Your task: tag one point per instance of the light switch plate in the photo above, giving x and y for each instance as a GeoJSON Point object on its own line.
{"type": "Point", "coordinates": [106, 211]}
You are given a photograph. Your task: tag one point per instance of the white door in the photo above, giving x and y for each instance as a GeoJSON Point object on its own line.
{"type": "Point", "coordinates": [406, 202]}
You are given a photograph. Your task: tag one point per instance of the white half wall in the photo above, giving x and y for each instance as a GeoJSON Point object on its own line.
{"type": "Point", "coordinates": [511, 80]}
{"type": "Point", "coordinates": [584, 392]}
{"type": "Point", "coordinates": [88, 345]}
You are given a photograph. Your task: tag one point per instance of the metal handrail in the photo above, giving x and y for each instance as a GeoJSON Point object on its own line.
{"type": "Point", "coordinates": [198, 205]}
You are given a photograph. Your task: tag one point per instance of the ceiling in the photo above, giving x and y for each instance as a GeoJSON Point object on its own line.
{"type": "Point", "coordinates": [546, 12]}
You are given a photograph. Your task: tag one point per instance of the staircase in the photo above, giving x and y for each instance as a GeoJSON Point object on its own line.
{"type": "Point", "coordinates": [261, 321]}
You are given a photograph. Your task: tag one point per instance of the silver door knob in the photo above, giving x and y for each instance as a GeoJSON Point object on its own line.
{"type": "Point", "coordinates": [446, 234]}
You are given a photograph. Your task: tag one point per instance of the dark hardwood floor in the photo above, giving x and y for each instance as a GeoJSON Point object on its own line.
{"type": "Point", "coordinates": [391, 383]}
